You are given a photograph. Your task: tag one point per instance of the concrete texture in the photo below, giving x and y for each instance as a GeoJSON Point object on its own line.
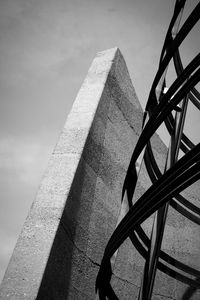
{"type": "Point", "coordinates": [59, 250]}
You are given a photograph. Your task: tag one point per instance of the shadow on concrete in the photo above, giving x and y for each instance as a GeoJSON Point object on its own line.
{"type": "Point", "coordinates": [65, 263]}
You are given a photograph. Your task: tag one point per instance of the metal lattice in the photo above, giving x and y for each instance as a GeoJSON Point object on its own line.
{"type": "Point", "coordinates": [169, 108]}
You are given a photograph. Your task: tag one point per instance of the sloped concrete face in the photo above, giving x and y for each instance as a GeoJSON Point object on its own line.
{"type": "Point", "coordinates": [76, 209]}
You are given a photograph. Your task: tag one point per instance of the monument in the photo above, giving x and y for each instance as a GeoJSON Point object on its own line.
{"type": "Point", "coordinates": [104, 216]}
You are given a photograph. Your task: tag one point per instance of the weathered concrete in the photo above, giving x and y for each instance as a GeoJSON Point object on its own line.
{"type": "Point", "coordinates": [76, 208]}
{"type": "Point", "coordinates": [60, 247]}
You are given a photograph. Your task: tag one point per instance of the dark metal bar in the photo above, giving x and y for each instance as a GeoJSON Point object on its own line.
{"type": "Point", "coordinates": [179, 173]}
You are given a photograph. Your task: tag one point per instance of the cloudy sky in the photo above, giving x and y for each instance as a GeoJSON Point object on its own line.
{"type": "Point", "coordinates": [46, 48]}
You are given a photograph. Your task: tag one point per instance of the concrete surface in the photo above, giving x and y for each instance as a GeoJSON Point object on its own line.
{"type": "Point", "coordinates": [59, 250]}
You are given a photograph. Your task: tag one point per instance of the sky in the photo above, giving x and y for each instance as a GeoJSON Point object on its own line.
{"type": "Point", "coordinates": [46, 48]}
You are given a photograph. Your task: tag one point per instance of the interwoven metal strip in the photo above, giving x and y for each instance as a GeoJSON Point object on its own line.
{"type": "Point", "coordinates": [170, 108]}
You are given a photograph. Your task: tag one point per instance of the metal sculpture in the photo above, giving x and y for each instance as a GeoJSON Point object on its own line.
{"type": "Point", "coordinates": [166, 186]}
